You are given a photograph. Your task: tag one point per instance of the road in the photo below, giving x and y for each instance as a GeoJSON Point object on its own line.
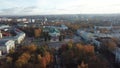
{"type": "Point", "coordinates": [55, 44]}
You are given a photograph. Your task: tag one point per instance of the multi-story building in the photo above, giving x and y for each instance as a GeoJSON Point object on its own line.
{"type": "Point", "coordinates": [6, 45]}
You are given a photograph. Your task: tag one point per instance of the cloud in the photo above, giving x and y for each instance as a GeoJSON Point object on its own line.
{"type": "Point", "coordinates": [19, 10]}
{"type": "Point", "coordinates": [38, 7]}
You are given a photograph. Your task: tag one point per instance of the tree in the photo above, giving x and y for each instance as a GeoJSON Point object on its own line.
{"type": "Point", "coordinates": [70, 44]}
{"type": "Point", "coordinates": [19, 63]}
{"type": "Point", "coordinates": [95, 62]}
{"type": "Point", "coordinates": [32, 48]}
{"type": "Point", "coordinates": [89, 50]}
{"type": "Point", "coordinates": [22, 60]}
{"type": "Point", "coordinates": [48, 57]}
{"type": "Point", "coordinates": [37, 32]}
{"type": "Point", "coordinates": [11, 51]}
{"type": "Point", "coordinates": [83, 65]}
{"type": "Point", "coordinates": [111, 45]}
{"type": "Point", "coordinates": [43, 62]}
{"type": "Point", "coordinates": [76, 54]}
{"type": "Point", "coordinates": [29, 57]}
{"type": "Point", "coordinates": [9, 59]}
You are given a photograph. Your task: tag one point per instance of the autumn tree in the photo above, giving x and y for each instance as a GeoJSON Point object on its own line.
{"type": "Point", "coordinates": [95, 62]}
{"type": "Point", "coordinates": [11, 51]}
{"type": "Point", "coordinates": [23, 59]}
{"type": "Point", "coordinates": [89, 50]}
{"type": "Point", "coordinates": [76, 53]}
{"type": "Point", "coordinates": [111, 45]}
{"type": "Point", "coordinates": [37, 32]}
{"type": "Point", "coordinates": [32, 48]}
{"type": "Point", "coordinates": [43, 62]}
{"type": "Point", "coordinates": [29, 57]}
{"type": "Point", "coordinates": [83, 65]}
{"type": "Point", "coordinates": [9, 59]}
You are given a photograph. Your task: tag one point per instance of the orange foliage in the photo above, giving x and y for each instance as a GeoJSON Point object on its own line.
{"type": "Point", "coordinates": [48, 57]}
{"type": "Point", "coordinates": [83, 65]}
{"type": "Point", "coordinates": [23, 59]}
{"type": "Point", "coordinates": [29, 55]}
{"type": "Point", "coordinates": [39, 57]}
{"type": "Point", "coordinates": [89, 49]}
{"type": "Point", "coordinates": [37, 32]}
{"type": "Point", "coordinates": [43, 62]}
{"type": "Point", "coordinates": [77, 54]}
{"type": "Point", "coordinates": [32, 48]}
{"type": "Point", "coordinates": [111, 45]}
{"type": "Point", "coordinates": [79, 46]}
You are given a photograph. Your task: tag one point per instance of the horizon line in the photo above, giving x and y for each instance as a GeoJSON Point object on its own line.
{"type": "Point", "coordinates": [65, 14]}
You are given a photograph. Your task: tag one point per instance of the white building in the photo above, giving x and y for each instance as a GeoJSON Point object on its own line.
{"type": "Point", "coordinates": [63, 27]}
{"type": "Point", "coordinates": [6, 45]}
{"type": "Point", "coordinates": [18, 38]}
{"type": "Point", "coordinates": [4, 26]}
{"type": "Point", "coordinates": [0, 53]}
{"type": "Point", "coordinates": [104, 27]}
{"type": "Point", "coordinates": [117, 55]}
{"type": "Point", "coordinates": [0, 35]}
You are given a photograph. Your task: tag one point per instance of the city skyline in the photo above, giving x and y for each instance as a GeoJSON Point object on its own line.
{"type": "Point", "coordinates": [44, 7]}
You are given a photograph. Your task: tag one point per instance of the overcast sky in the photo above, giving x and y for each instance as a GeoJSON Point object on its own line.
{"type": "Point", "coordinates": [41, 7]}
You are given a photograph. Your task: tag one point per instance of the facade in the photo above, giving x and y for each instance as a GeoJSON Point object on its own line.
{"type": "Point", "coordinates": [87, 36]}
{"type": "Point", "coordinates": [19, 37]}
{"type": "Point", "coordinates": [0, 53]}
{"type": "Point", "coordinates": [63, 27]}
{"type": "Point", "coordinates": [117, 55]}
{"type": "Point", "coordinates": [6, 45]}
{"type": "Point", "coordinates": [0, 35]}
{"type": "Point", "coordinates": [54, 32]}
{"type": "Point", "coordinates": [104, 27]}
{"type": "Point", "coordinates": [9, 42]}
{"type": "Point", "coordinates": [96, 43]}
{"type": "Point", "coordinates": [4, 26]}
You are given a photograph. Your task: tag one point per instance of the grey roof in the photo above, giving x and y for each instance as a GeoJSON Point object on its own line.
{"type": "Point", "coordinates": [3, 41]}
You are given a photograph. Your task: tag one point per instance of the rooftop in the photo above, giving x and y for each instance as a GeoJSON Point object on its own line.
{"type": "Point", "coordinates": [3, 41]}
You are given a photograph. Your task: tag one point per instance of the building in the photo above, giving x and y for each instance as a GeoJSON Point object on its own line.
{"type": "Point", "coordinates": [63, 27]}
{"type": "Point", "coordinates": [18, 38]}
{"type": "Point", "coordinates": [54, 32]}
{"type": "Point", "coordinates": [0, 53]}
{"type": "Point", "coordinates": [117, 55]}
{"type": "Point", "coordinates": [6, 45]}
{"type": "Point", "coordinates": [4, 26]}
{"type": "Point", "coordinates": [104, 27]}
{"type": "Point", "coordinates": [87, 36]}
{"type": "Point", "coordinates": [0, 35]}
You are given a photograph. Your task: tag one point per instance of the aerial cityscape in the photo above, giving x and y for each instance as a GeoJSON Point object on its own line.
{"type": "Point", "coordinates": [60, 34]}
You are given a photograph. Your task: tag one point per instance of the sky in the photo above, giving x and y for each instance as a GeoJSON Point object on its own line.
{"type": "Point", "coordinates": [45, 7]}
